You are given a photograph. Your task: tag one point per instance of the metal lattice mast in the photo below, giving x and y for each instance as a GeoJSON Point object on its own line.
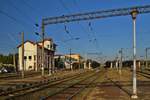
{"type": "Point", "coordinates": [105, 14]}
{"type": "Point", "coordinates": [96, 15]}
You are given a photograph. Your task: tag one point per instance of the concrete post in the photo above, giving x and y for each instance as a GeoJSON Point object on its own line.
{"type": "Point", "coordinates": [84, 65]}
{"type": "Point", "coordinates": [134, 95]}
{"type": "Point", "coordinates": [71, 67]}
{"type": "Point", "coordinates": [117, 64]}
{"type": "Point", "coordinates": [89, 65]}
{"type": "Point", "coordinates": [139, 64]}
{"type": "Point", "coordinates": [111, 64]}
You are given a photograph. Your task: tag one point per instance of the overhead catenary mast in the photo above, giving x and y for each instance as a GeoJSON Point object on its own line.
{"type": "Point", "coordinates": [105, 14]}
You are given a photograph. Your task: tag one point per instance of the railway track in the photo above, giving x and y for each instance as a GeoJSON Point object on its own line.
{"type": "Point", "coordinates": [38, 86]}
{"type": "Point", "coordinates": [147, 75]}
{"type": "Point", "coordinates": [72, 90]}
{"type": "Point", "coordinates": [67, 90]}
{"type": "Point", "coordinates": [143, 73]}
{"type": "Point", "coordinates": [18, 76]}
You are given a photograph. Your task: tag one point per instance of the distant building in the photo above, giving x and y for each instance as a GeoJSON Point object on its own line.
{"type": "Point", "coordinates": [74, 63]}
{"type": "Point", "coordinates": [59, 61]}
{"type": "Point", "coordinates": [33, 54]}
{"type": "Point", "coordinates": [74, 57]}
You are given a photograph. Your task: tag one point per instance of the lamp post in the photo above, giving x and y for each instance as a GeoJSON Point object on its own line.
{"type": "Point", "coordinates": [134, 14]}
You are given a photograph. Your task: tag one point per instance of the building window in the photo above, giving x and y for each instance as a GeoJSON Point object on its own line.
{"type": "Point", "coordinates": [47, 46]}
{"type": "Point", "coordinates": [25, 57]}
{"type": "Point", "coordinates": [51, 46]}
{"type": "Point", "coordinates": [30, 67]}
{"type": "Point", "coordinates": [30, 57]}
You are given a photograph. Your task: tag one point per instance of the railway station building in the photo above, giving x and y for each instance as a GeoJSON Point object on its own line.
{"type": "Point", "coordinates": [33, 55]}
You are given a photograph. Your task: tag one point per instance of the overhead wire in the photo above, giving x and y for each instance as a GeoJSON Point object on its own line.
{"type": "Point", "coordinates": [65, 26]}
{"type": "Point", "coordinates": [24, 25]}
{"type": "Point", "coordinates": [94, 35]}
{"type": "Point", "coordinates": [64, 5]}
{"type": "Point", "coordinates": [67, 31]}
{"type": "Point", "coordinates": [13, 18]}
{"type": "Point", "coordinates": [22, 13]}
{"type": "Point", "coordinates": [83, 28]}
{"type": "Point", "coordinates": [12, 38]}
{"type": "Point", "coordinates": [90, 40]}
{"type": "Point", "coordinates": [35, 10]}
{"type": "Point", "coordinates": [25, 2]}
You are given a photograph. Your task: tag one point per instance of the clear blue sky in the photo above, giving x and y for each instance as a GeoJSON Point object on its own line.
{"type": "Point", "coordinates": [111, 34]}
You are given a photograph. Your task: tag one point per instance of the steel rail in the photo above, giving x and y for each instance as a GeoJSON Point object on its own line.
{"type": "Point", "coordinates": [40, 86]}
{"type": "Point", "coordinates": [72, 86]}
{"type": "Point", "coordinates": [69, 98]}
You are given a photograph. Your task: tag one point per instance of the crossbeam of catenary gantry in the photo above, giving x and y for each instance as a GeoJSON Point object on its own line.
{"type": "Point", "coordinates": [95, 15]}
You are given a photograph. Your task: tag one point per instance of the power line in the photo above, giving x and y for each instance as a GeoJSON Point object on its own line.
{"type": "Point", "coordinates": [28, 5]}
{"type": "Point", "coordinates": [83, 28]}
{"type": "Point", "coordinates": [64, 5]}
{"type": "Point", "coordinates": [12, 38]}
{"type": "Point", "coordinates": [21, 12]}
{"type": "Point", "coordinates": [76, 5]}
{"type": "Point", "coordinates": [67, 31]}
{"type": "Point", "coordinates": [35, 10]}
{"type": "Point", "coordinates": [12, 18]}
{"type": "Point", "coordinates": [95, 39]}
{"type": "Point", "coordinates": [67, 9]}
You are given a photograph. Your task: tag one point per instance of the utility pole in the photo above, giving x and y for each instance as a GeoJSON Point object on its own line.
{"type": "Point", "coordinates": [14, 61]}
{"type": "Point", "coordinates": [146, 50]}
{"type": "Point", "coordinates": [22, 72]}
{"type": "Point", "coordinates": [53, 64]}
{"type": "Point", "coordinates": [120, 66]}
{"type": "Point", "coordinates": [79, 63]}
{"type": "Point", "coordinates": [70, 60]}
{"type": "Point", "coordinates": [42, 48]}
{"type": "Point", "coordinates": [49, 64]}
{"type": "Point", "coordinates": [134, 14]}
{"type": "Point", "coordinates": [146, 57]}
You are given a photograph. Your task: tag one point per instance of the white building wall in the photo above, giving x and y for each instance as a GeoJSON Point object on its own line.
{"type": "Point", "coordinates": [35, 51]}
{"type": "Point", "coordinates": [47, 44]}
{"type": "Point", "coordinates": [29, 51]}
